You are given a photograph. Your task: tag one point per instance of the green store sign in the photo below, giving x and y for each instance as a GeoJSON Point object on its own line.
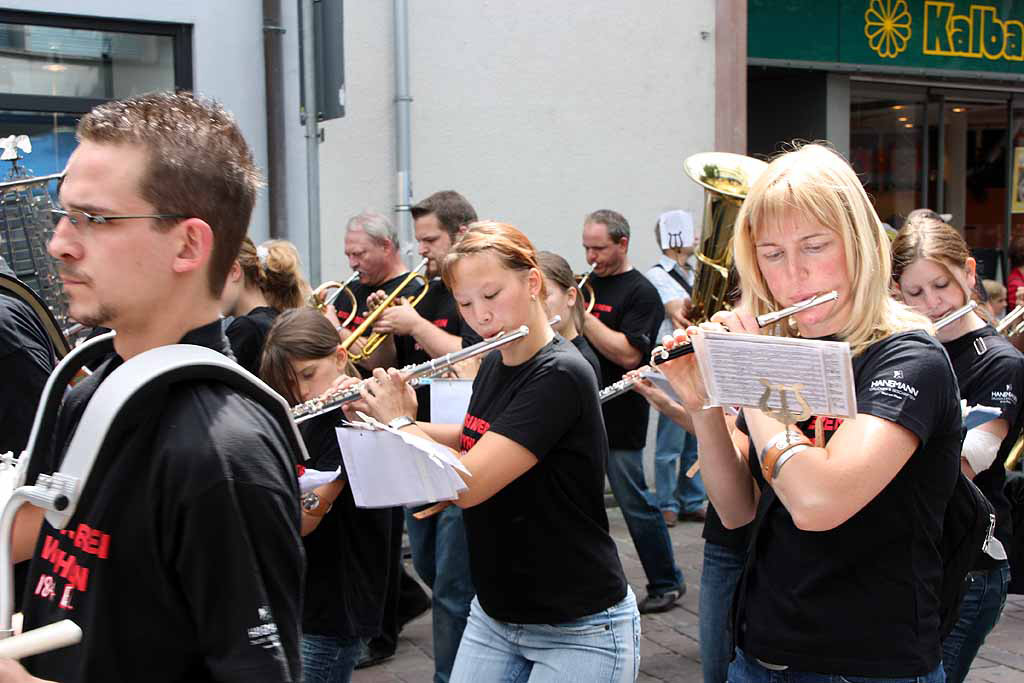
{"type": "Point", "coordinates": [962, 35]}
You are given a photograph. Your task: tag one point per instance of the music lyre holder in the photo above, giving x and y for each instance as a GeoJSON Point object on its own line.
{"type": "Point", "coordinates": [114, 401]}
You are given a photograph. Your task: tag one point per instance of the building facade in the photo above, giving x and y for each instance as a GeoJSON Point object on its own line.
{"type": "Point", "coordinates": [923, 97]}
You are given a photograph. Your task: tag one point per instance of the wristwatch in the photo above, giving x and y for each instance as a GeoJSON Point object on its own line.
{"type": "Point", "coordinates": [313, 504]}
{"type": "Point", "coordinates": [401, 421]}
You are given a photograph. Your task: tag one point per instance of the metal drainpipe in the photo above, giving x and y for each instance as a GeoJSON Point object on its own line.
{"type": "Point", "coordinates": [310, 113]}
{"type": "Point", "coordinates": [276, 171]}
{"type": "Point", "coordinates": [403, 136]}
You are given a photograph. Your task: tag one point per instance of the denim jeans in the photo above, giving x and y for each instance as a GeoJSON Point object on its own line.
{"type": "Point", "coordinates": [440, 555]}
{"type": "Point", "coordinates": [329, 660]}
{"type": "Point", "coordinates": [746, 669]}
{"type": "Point", "coordinates": [644, 521]}
{"type": "Point", "coordinates": [675, 451]}
{"type": "Point", "coordinates": [599, 648]}
{"type": "Point", "coordinates": [719, 577]}
{"type": "Point", "coordinates": [980, 610]}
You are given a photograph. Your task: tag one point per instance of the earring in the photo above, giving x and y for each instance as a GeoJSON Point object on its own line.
{"type": "Point", "coordinates": [533, 297]}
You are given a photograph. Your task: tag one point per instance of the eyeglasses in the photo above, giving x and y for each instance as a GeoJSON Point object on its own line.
{"type": "Point", "coordinates": [75, 216]}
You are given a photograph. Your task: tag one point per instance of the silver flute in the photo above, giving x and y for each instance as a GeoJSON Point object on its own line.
{"type": "Point", "coordinates": [412, 374]}
{"type": "Point", "coordinates": [660, 355]}
{"type": "Point", "coordinates": [955, 315]}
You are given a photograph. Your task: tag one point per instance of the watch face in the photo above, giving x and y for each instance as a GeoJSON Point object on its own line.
{"type": "Point", "coordinates": [310, 501]}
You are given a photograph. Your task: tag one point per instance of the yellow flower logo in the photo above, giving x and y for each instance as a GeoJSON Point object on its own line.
{"type": "Point", "coordinates": [887, 27]}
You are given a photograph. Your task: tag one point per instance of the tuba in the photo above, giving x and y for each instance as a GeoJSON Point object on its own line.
{"type": "Point", "coordinates": [726, 178]}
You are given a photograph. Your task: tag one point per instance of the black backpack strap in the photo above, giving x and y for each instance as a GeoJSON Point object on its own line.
{"type": "Point", "coordinates": [678, 278]}
{"type": "Point", "coordinates": [136, 380]}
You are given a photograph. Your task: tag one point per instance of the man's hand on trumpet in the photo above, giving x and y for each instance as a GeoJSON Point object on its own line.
{"type": "Point", "coordinates": [399, 318]}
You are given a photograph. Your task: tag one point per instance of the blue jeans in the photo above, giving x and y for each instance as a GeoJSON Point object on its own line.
{"type": "Point", "coordinates": [440, 555]}
{"type": "Point", "coordinates": [602, 647]}
{"type": "Point", "coordinates": [746, 669]}
{"type": "Point", "coordinates": [980, 610]}
{"type": "Point", "coordinates": [719, 577]}
{"type": "Point", "coordinates": [643, 518]}
{"type": "Point", "coordinates": [675, 451]}
{"type": "Point", "coordinates": [329, 660]}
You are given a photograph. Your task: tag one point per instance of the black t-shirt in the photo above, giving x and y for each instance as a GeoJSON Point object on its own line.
{"type": "Point", "coordinates": [990, 372]}
{"type": "Point", "coordinates": [183, 560]}
{"type": "Point", "coordinates": [27, 357]}
{"type": "Point", "coordinates": [437, 306]}
{"type": "Point", "coordinates": [539, 549]}
{"type": "Point", "coordinates": [247, 333]}
{"type": "Point", "coordinates": [863, 598]}
{"type": "Point", "coordinates": [627, 303]}
{"type": "Point", "coordinates": [587, 351]}
{"type": "Point", "coordinates": [347, 554]}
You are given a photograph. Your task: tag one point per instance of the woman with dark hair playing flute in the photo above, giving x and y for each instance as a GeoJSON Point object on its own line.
{"type": "Point", "coordinates": [935, 273]}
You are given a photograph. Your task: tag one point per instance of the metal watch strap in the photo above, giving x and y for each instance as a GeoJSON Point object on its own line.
{"type": "Point", "coordinates": [401, 421]}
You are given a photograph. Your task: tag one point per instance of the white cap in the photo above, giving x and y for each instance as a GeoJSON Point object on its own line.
{"type": "Point", "coordinates": [676, 229]}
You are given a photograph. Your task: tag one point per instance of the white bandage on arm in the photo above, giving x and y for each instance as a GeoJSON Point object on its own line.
{"type": "Point", "coordinates": [980, 449]}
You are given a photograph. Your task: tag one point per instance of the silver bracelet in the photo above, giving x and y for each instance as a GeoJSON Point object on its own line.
{"type": "Point", "coordinates": [784, 458]}
{"type": "Point", "coordinates": [780, 440]}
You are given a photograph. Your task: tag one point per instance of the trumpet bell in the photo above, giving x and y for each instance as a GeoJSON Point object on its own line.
{"type": "Point", "coordinates": [586, 291]}
{"type": "Point", "coordinates": [322, 297]}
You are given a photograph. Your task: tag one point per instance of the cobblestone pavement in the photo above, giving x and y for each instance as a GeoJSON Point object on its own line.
{"type": "Point", "coordinates": [669, 647]}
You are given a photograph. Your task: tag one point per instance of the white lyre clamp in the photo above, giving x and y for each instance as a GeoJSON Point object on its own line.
{"type": "Point", "coordinates": [114, 401]}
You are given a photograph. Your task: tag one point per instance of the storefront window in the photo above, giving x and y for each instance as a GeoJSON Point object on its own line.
{"type": "Point", "coordinates": [55, 61]}
{"type": "Point", "coordinates": [887, 150]}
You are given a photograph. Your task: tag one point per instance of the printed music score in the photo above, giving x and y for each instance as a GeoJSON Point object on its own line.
{"type": "Point", "coordinates": [737, 368]}
{"type": "Point", "coordinates": [387, 467]}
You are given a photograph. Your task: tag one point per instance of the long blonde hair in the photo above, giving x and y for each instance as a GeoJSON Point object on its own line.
{"type": "Point", "coordinates": [815, 182]}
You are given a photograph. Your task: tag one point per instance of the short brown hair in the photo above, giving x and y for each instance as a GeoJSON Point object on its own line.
{"type": "Point", "coordinates": [278, 277]}
{"type": "Point", "coordinates": [199, 164]}
{"type": "Point", "coordinates": [506, 242]}
{"type": "Point", "coordinates": [452, 210]}
{"type": "Point", "coordinates": [615, 222]}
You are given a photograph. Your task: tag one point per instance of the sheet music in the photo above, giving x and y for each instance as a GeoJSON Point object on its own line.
{"type": "Point", "coordinates": [733, 366]}
{"type": "Point", "coordinates": [449, 400]}
{"type": "Point", "coordinates": [387, 467]}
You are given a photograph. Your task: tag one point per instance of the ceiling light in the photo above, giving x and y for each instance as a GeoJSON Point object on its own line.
{"type": "Point", "coordinates": [959, 109]}
{"type": "Point", "coordinates": [897, 107]}
{"type": "Point", "coordinates": [902, 119]}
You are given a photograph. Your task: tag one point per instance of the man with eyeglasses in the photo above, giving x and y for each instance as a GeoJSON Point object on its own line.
{"type": "Point", "coordinates": [185, 563]}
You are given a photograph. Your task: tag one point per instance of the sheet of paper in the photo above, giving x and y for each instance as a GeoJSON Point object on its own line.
{"type": "Point", "coordinates": [661, 381]}
{"type": "Point", "coordinates": [975, 416]}
{"type": "Point", "coordinates": [734, 366]}
{"type": "Point", "coordinates": [312, 479]}
{"type": "Point", "coordinates": [387, 468]}
{"type": "Point", "coordinates": [449, 400]}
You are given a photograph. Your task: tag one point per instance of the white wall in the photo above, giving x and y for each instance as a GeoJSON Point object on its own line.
{"type": "Point", "coordinates": [227, 54]}
{"type": "Point", "coordinates": [538, 112]}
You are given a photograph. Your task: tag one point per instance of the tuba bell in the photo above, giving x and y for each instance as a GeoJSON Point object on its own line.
{"type": "Point", "coordinates": [726, 179]}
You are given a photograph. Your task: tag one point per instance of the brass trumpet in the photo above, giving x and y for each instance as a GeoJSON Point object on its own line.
{"type": "Point", "coordinates": [586, 290]}
{"type": "Point", "coordinates": [320, 300]}
{"type": "Point", "coordinates": [374, 341]}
